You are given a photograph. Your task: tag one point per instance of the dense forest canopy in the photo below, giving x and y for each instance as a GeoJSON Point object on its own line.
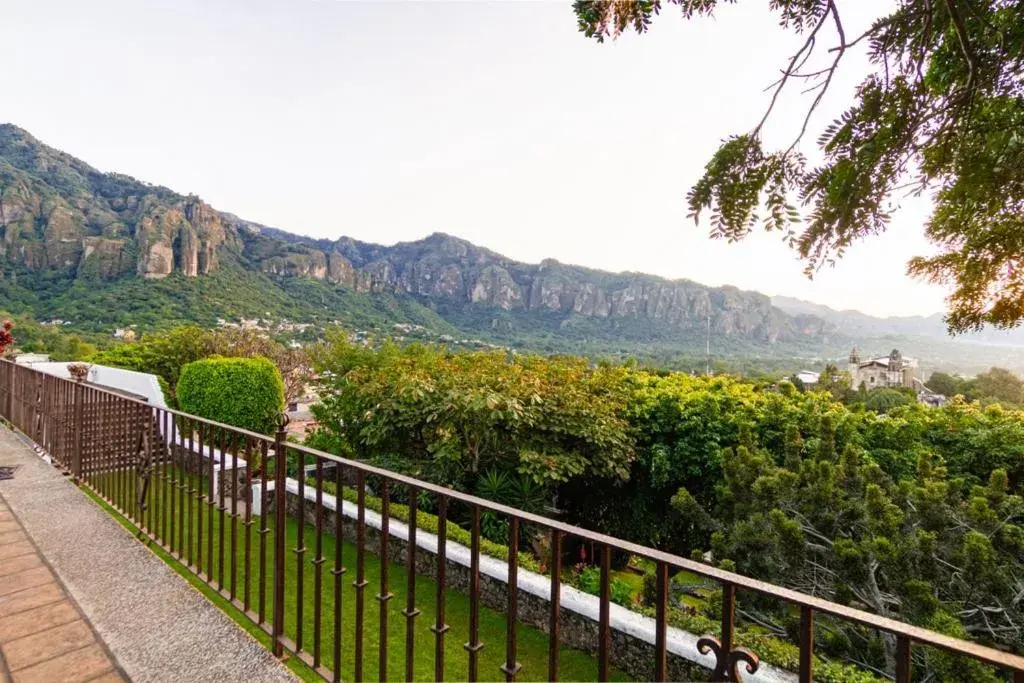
{"type": "Point", "coordinates": [912, 512]}
{"type": "Point", "coordinates": [940, 110]}
{"type": "Point", "coordinates": [895, 507]}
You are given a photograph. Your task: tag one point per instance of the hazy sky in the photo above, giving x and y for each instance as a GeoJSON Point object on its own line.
{"type": "Point", "coordinates": [494, 121]}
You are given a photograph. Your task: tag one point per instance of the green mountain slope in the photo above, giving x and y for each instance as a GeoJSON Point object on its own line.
{"type": "Point", "coordinates": [231, 293]}
{"type": "Point", "coordinates": [103, 250]}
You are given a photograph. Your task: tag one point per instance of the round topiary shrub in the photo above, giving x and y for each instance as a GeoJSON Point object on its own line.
{"type": "Point", "coordinates": [242, 392]}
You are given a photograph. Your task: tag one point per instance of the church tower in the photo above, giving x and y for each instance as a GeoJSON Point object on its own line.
{"type": "Point", "coordinates": [895, 368]}
{"type": "Point", "coordinates": [852, 368]}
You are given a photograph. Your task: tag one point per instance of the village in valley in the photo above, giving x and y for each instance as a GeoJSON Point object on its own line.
{"type": "Point", "coordinates": [883, 372]}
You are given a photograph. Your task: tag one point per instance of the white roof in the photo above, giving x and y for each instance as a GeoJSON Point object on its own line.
{"type": "Point", "coordinates": [884, 362]}
{"type": "Point", "coordinates": [139, 383]}
{"type": "Point", "coordinates": [808, 376]}
{"type": "Point", "coordinates": [26, 358]}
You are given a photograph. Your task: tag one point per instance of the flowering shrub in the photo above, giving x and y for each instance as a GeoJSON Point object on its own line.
{"type": "Point", "coordinates": [6, 338]}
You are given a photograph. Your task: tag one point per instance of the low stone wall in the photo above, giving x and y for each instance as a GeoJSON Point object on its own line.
{"type": "Point", "coordinates": [185, 453]}
{"type": "Point", "coordinates": [632, 641]}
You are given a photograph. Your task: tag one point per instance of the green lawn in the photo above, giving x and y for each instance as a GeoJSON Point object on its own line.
{"type": "Point", "coordinates": [532, 644]}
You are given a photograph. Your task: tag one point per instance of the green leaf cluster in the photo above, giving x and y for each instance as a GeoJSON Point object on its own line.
{"type": "Point", "coordinates": [589, 581]}
{"type": "Point", "coordinates": [929, 548]}
{"type": "Point", "coordinates": [60, 344]}
{"type": "Point", "coordinates": [997, 385]}
{"type": "Point", "coordinates": [454, 416]}
{"type": "Point", "coordinates": [164, 354]}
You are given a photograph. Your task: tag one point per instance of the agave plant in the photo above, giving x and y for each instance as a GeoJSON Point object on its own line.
{"type": "Point", "coordinates": [517, 491]}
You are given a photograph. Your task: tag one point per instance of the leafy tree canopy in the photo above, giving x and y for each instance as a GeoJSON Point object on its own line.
{"type": "Point", "coordinates": [453, 416]}
{"type": "Point", "coordinates": [884, 399]}
{"type": "Point", "coordinates": [941, 110]}
{"type": "Point", "coordinates": [836, 382]}
{"type": "Point", "coordinates": [927, 549]}
{"type": "Point", "coordinates": [997, 385]}
{"type": "Point", "coordinates": [945, 384]}
{"type": "Point", "coordinates": [32, 337]}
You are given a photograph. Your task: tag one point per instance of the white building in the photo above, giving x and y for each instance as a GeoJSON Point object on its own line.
{"type": "Point", "coordinates": [31, 358]}
{"type": "Point", "coordinates": [809, 378]}
{"type": "Point", "coordinates": [885, 371]}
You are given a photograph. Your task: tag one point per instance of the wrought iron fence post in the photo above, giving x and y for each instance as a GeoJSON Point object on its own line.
{"type": "Point", "coordinates": [76, 456]}
{"type": "Point", "coordinates": [280, 531]}
{"type": "Point", "coordinates": [9, 415]}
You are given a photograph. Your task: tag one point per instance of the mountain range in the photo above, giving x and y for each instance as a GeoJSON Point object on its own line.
{"type": "Point", "coordinates": [97, 250]}
{"type": "Point", "coordinates": [857, 325]}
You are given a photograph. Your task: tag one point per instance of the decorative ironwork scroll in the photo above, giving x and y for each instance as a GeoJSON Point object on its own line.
{"type": "Point", "coordinates": [727, 668]}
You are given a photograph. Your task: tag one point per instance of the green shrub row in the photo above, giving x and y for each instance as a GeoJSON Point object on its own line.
{"type": "Point", "coordinates": [589, 581]}
{"type": "Point", "coordinates": [769, 648]}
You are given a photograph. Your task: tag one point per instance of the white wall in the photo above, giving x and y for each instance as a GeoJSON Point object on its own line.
{"type": "Point", "coordinates": [140, 383]}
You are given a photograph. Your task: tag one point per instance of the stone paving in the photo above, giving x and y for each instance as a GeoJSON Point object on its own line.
{"type": "Point", "coordinates": [82, 599]}
{"type": "Point", "coordinates": [43, 636]}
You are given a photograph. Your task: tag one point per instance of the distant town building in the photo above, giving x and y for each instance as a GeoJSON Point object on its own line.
{"type": "Point", "coordinates": [300, 414]}
{"type": "Point", "coordinates": [809, 378]}
{"type": "Point", "coordinates": [29, 358]}
{"type": "Point", "coordinates": [885, 371]}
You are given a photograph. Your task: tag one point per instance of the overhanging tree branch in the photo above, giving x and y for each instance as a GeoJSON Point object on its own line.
{"type": "Point", "coordinates": [805, 51]}
{"type": "Point", "coordinates": [960, 58]}
{"type": "Point", "coordinates": [834, 12]}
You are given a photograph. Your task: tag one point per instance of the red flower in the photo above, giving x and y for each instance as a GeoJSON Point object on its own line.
{"type": "Point", "coordinates": [6, 338]}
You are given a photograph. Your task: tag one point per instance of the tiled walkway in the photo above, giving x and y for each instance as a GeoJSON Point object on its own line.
{"type": "Point", "coordinates": [43, 635]}
{"type": "Point", "coordinates": [158, 627]}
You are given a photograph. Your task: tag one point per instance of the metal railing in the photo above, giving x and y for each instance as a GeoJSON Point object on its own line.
{"type": "Point", "coordinates": [182, 481]}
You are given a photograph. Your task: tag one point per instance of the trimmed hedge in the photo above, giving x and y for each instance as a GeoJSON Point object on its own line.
{"type": "Point", "coordinates": [242, 392]}
{"type": "Point", "coordinates": [769, 648]}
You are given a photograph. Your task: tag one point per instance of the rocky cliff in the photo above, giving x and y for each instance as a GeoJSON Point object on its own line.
{"type": "Point", "coordinates": [442, 268]}
{"type": "Point", "coordinates": [58, 213]}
